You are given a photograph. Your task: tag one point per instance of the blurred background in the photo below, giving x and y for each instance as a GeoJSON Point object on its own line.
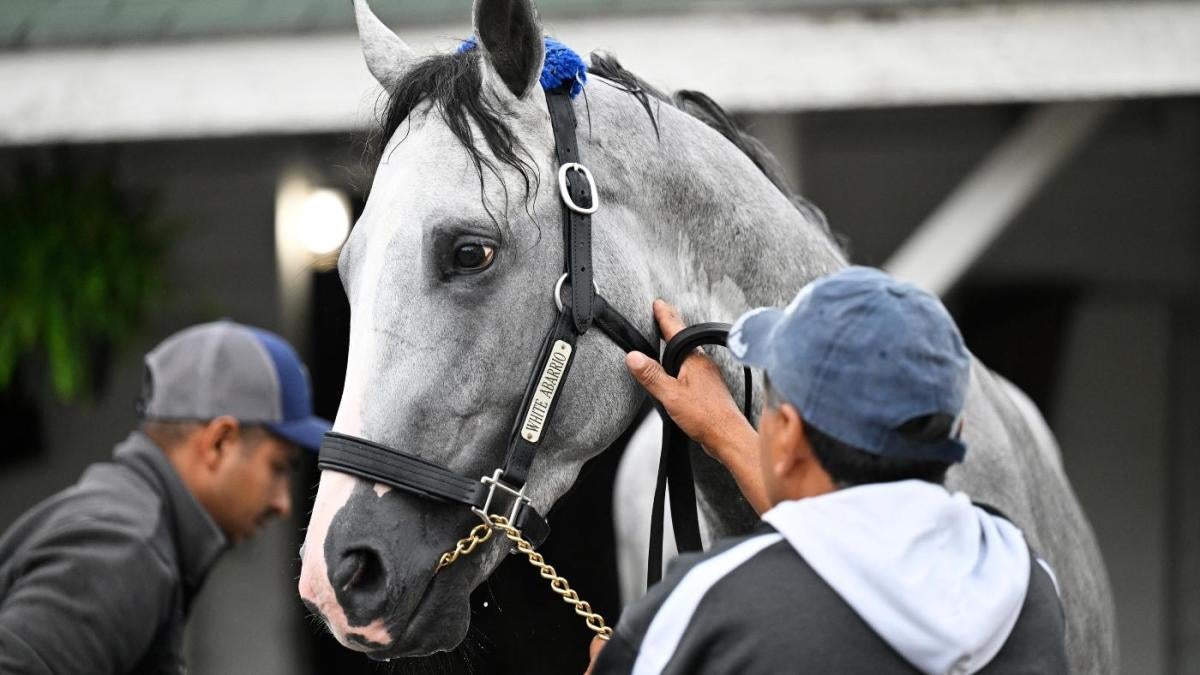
{"type": "Point", "coordinates": [164, 162]}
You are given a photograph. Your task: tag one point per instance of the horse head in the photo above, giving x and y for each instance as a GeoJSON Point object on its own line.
{"type": "Point", "coordinates": [451, 271]}
{"type": "Point", "coordinates": [450, 275]}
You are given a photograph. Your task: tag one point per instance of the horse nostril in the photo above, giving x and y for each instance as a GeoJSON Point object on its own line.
{"type": "Point", "coordinates": [348, 570]}
{"type": "Point", "coordinates": [358, 570]}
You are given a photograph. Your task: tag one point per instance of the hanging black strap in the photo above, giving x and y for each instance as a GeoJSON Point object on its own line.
{"type": "Point", "coordinates": [675, 464]}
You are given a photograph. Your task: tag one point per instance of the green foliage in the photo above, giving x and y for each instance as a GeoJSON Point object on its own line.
{"type": "Point", "coordinates": [78, 267]}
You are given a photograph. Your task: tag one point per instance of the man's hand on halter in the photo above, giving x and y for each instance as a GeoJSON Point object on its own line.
{"type": "Point", "coordinates": [701, 405]}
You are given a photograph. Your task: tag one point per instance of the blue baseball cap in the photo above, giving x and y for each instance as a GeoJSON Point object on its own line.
{"type": "Point", "coordinates": [225, 368]}
{"type": "Point", "coordinates": [860, 353]}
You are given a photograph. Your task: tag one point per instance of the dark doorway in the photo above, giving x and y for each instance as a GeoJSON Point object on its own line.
{"type": "Point", "coordinates": [1019, 332]}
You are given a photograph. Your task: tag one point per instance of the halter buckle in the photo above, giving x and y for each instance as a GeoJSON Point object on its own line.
{"type": "Point", "coordinates": [518, 495]}
{"type": "Point", "coordinates": [558, 291]}
{"type": "Point", "coordinates": [565, 191]}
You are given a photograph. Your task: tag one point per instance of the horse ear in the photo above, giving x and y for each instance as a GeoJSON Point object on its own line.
{"type": "Point", "coordinates": [511, 38]}
{"type": "Point", "coordinates": [388, 58]}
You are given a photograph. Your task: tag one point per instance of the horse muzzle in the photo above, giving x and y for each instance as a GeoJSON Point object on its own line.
{"type": "Point", "coordinates": [375, 586]}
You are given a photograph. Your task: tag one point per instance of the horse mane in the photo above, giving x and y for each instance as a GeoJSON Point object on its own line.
{"type": "Point", "coordinates": [700, 106]}
{"type": "Point", "coordinates": [452, 84]}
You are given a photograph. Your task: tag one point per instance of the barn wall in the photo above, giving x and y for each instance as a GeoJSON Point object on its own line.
{"type": "Point", "coordinates": [1112, 423]}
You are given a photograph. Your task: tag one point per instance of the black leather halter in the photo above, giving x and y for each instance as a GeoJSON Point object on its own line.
{"type": "Point", "coordinates": [577, 312]}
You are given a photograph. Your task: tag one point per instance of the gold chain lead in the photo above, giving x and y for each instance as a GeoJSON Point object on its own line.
{"type": "Point", "coordinates": [483, 532]}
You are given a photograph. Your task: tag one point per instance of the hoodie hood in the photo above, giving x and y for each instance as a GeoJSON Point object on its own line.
{"type": "Point", "coordinates": [939, 579]}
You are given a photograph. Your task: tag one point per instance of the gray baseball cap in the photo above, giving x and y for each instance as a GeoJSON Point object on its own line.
{"type": "Point", "coordinates": [859, 354]}
{"type": "Point", "coordinates": [225, 368]}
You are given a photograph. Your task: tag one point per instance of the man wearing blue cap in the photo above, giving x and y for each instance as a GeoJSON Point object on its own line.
{"type": "Point", "coordinates": [99, 577]}
{"type": "Point", "coordinates": [864, 563]}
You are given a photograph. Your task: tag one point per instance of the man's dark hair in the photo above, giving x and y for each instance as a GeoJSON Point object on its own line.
{"type": "Point", "coordinates": [848, 465]}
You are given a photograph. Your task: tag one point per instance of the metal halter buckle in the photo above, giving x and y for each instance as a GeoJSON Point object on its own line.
{"type": "Point", "coordinates": [519, 499]}
{"type": "Point", "coordinates": [558, 291]}
{"type": "Point", "coordinates": [566, 192]}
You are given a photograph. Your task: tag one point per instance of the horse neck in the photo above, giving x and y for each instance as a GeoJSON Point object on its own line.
{"type": "Point", "coordinates": [741, 244]}
{"type": "Point", "coordinates": [737, 242]}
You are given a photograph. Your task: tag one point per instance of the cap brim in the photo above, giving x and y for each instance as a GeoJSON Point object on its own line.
{"type": "Point", "coordinates": [750, 338]}
{"type": "Point", "coordinates": [307, 432]}
{"type": "Point", "coordinates": [949, 450]}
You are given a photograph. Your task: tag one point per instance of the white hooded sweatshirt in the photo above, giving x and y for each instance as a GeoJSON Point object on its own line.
{"type": "Point", "coordinates": [939, 579]}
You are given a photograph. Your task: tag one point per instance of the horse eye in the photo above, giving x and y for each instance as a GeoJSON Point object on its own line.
{"type": "Point", "coordinates": [473, 257]}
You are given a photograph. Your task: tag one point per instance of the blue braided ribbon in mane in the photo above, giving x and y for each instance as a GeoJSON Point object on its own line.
{"type": "Point", "coordinates": [562, 65]}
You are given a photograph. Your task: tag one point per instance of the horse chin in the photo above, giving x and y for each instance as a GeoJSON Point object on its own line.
{"type": "Point", "coordinates": [437, 624]}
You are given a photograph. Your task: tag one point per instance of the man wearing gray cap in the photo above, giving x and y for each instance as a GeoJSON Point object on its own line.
{"type": "Point", "coordinates": [99, 577]}
{"type": "Point", "coordinates": [864, 562]}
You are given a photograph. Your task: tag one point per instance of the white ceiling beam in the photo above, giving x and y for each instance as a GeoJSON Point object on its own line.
{"type": "Point", "coordinates": [749, 61]}
{"type": "Point", "coordinates": [977, 211]}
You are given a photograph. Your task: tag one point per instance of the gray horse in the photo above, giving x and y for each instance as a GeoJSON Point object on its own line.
{"type": "Point", "coordinates": [450, 274]}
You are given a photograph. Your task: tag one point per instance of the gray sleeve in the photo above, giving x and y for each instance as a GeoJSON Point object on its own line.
{"type": "Point", "coordinates": [89, 598]}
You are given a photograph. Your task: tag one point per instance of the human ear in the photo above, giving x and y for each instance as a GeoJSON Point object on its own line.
{"type": "Point", "coordinates": [220, 436]}
{"type": "Point", "coordinates": [792, 446]}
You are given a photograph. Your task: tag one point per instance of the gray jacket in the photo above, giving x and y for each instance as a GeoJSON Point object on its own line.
{"type": "Point", "coordinates": [98, 578]}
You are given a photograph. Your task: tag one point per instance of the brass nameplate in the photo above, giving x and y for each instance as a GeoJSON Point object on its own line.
{"type": "Point", "coordinates": [547, 389]}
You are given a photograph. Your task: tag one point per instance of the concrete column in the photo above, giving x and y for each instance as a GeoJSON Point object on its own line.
{"type": "Point", "coordinates": [1112, 423]}
{"type": "Point", "coordinates": [1183, 563]}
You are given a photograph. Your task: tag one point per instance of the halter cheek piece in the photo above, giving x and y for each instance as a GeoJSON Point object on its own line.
{"type": "Point", "coordinates": [583, 307]}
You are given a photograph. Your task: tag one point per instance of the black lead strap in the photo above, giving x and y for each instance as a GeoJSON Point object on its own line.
{"type": "Point", "coordinates": [675, 463]}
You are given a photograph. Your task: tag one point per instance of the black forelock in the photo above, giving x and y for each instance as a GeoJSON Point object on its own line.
{"type": "Point", "coordinates": [452, 85]}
